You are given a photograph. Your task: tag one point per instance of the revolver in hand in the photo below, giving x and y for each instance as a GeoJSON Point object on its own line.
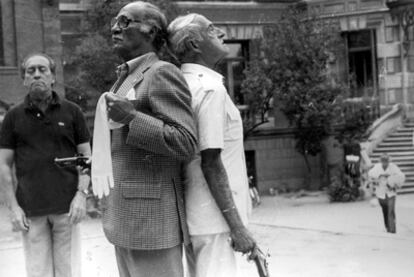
{"type": "Point", "coordinates": [74, 161]}
{"type": "Point", "coordinates": [259, 259]}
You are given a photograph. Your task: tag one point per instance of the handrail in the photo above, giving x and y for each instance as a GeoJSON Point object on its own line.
{"type": "Point", "coordinates": [381, 127]}
{"type": "Point", "coordinates": [394, 110]}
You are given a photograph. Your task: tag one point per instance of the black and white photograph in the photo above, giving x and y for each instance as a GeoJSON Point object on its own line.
{"type": "Point", "coordinates": [206, 138]}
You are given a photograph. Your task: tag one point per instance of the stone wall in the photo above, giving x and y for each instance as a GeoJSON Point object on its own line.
{"type": "Point", "coordinates": [278, 165]}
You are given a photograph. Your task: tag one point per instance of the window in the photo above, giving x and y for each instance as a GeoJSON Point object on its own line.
{"type": "Point", "coordinates": [362, 66]}
{"type": "Point", "coordinates": [232, 68]}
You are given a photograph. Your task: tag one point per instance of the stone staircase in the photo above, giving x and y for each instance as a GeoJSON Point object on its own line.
{"type": "Point", "coordinates": [399, 146]}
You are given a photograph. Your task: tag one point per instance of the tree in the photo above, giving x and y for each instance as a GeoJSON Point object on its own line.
{"type": "Point", "coordinates": [94, 59]}
{"type": "Point", "coordinates": [355, 116]}
{"type": "Point", "coordinates": [293, 66]}
{"type": "Point", "coordinates": [257, 92]}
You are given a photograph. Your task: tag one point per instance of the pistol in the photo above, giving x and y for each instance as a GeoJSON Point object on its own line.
{"type": "Point", "coordinates": [73, 161]}
{"type": "Point", "coordinates": [259, 259]}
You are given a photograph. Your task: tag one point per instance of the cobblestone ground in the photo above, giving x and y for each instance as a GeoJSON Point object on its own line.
{"type": "Point", "coordinates": [305, 236]}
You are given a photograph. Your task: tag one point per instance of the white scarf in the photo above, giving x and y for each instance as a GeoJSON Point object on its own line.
{"type": "Point", "coordinates": [101, 172]}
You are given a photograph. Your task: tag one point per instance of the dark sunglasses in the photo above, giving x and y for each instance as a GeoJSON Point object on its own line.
{"type": "Point", "coordinates": [122, 21]}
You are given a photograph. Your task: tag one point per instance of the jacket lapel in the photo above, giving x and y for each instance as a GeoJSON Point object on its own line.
{"type": "Point", "coordinates": [137, 74]}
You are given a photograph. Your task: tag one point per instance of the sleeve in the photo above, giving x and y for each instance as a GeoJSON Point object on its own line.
{"type": "Point", "coordinates": [397, 177]}
{"type": "Point", "coordinates": [82, 134]}
{"type": "Point", "coordinates": [211, 120]}
{"type": "Point", "coordinates": [7, 137]}
{"type": "Point", "coordinates": [169, 129]}
{"type": "Point", "coordinates": [374, 172]}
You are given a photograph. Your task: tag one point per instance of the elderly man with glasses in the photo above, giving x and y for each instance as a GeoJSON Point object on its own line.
{"type": "Point", "coordinates": [217, 190]}
{"type": "Point", "coordinates": [144, 214]}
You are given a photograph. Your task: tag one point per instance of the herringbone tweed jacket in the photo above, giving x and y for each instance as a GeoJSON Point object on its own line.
{"type": "Point", "coordinates": [145, 209]}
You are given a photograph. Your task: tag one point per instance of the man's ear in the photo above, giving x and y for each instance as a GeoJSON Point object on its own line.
{"type": "Point", "coordinates": [148, 31]}
{"type": "Point", "coordinates": [194, 46]}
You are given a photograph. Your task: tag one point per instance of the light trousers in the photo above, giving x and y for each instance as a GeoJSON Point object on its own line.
{"type": "Point", "coordinates": [211, 256]}
{"type": "Point", "coordinates": [52, 247]}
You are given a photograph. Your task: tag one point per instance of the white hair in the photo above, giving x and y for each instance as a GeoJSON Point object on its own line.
{"type": "Point", "coordinates": [181, 31]}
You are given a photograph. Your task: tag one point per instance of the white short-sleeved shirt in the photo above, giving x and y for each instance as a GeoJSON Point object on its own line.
{"type": "Point", "coordinates": [219, 125]}
{"type": "Point", "coordinates": [388, 180]}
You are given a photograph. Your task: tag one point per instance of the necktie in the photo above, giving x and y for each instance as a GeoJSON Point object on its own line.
{"type": "Point", "coordinates": [122, 75]}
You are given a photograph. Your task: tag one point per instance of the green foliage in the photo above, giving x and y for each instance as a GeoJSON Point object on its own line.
{"type": "Point", "coordinates": [94, 58]}
{"type": "Point", "coordinates": [96, 62]}
{"type": "Point", "coordinates": [78, 96]}
{"type": "Point", "coordinates": [355, 118]}
{"type": "Point", "coordinates": [256, 81]}
{"type": "Point", "coordinates": [296, 52]}
{"type": "Point", "coordinates": [343, 188]}
{"type": "Point", "coordinates": [257, 92]}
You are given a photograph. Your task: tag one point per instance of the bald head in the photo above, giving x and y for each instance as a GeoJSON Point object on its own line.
{"type": "Point", "coordinates": [194, 38]}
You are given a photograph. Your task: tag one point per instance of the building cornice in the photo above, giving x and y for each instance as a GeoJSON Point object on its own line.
{"type": "Point", "coordinates": [63, 7]}
{"type": "Point", "coordinates": [354, 13]}
{"type": "Point", "coordinates": [9, 70]}
{"type": "Point", "coordinates": [232, 5]}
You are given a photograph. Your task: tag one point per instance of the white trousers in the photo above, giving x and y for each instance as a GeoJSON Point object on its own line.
{"type": "Point", "coordinates": [211, 256]}
{"type": "Point", "coordinates": [52, 247]}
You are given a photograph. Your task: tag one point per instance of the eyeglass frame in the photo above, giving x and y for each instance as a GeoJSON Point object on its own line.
{"type": "Point", "coordinates": [213, 30]}
{"type": "Point", "coordinates": [115, 20]}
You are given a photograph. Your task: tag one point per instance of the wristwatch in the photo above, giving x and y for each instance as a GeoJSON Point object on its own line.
{"type": "Point", "coordinates": [85, 192]}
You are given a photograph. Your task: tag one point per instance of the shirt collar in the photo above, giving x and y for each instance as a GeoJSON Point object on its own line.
{"type": "Point", "coordinates": [133, 64]}
{"type": "Point", "coordinates": [201, 70]}
{"type": "Point", "coordinates": [56, 101]}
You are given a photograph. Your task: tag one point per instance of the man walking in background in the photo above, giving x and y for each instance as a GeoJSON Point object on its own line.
{"type": "Point", "coordinates": [387, 178]}
{"type": "Point", "coordinates": [144, 216]}
{"type": "Point", "coordinates": [217, 190]}
{"type": "Point", "coordinates": [50, 200]}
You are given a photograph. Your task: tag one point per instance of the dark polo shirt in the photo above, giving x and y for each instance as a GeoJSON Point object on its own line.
{"type": "Point", "coordinates": [37, 138]}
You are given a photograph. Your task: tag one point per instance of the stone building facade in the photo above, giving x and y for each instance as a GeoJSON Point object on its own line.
{"type": "Point", "coordinates": [27, 26]}
{"type": "Point", "coordinates": [378, 62]}
{"type": "Point", "coordinates": [379, 59]}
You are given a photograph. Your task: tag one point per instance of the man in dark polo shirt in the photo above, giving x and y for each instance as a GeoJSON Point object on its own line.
{"type": "Point", "coordinates": [49, 200]}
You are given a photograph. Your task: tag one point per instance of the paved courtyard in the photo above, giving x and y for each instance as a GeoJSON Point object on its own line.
{"type": "Point", "coordinates": [305, 236]}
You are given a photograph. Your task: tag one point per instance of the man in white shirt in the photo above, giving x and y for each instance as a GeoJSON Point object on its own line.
{"type": "Point", "coordinates": [388, 178]}
{"type": "Point", "coordinates": [217, 191]}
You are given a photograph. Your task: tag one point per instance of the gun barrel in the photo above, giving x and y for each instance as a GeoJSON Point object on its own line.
{"type": "Point", "coordinates": [260, 261]}
{"type": "Point", "coordinates": [70, 159]}
{"type": "Point", "coordinates": [73, 161]}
